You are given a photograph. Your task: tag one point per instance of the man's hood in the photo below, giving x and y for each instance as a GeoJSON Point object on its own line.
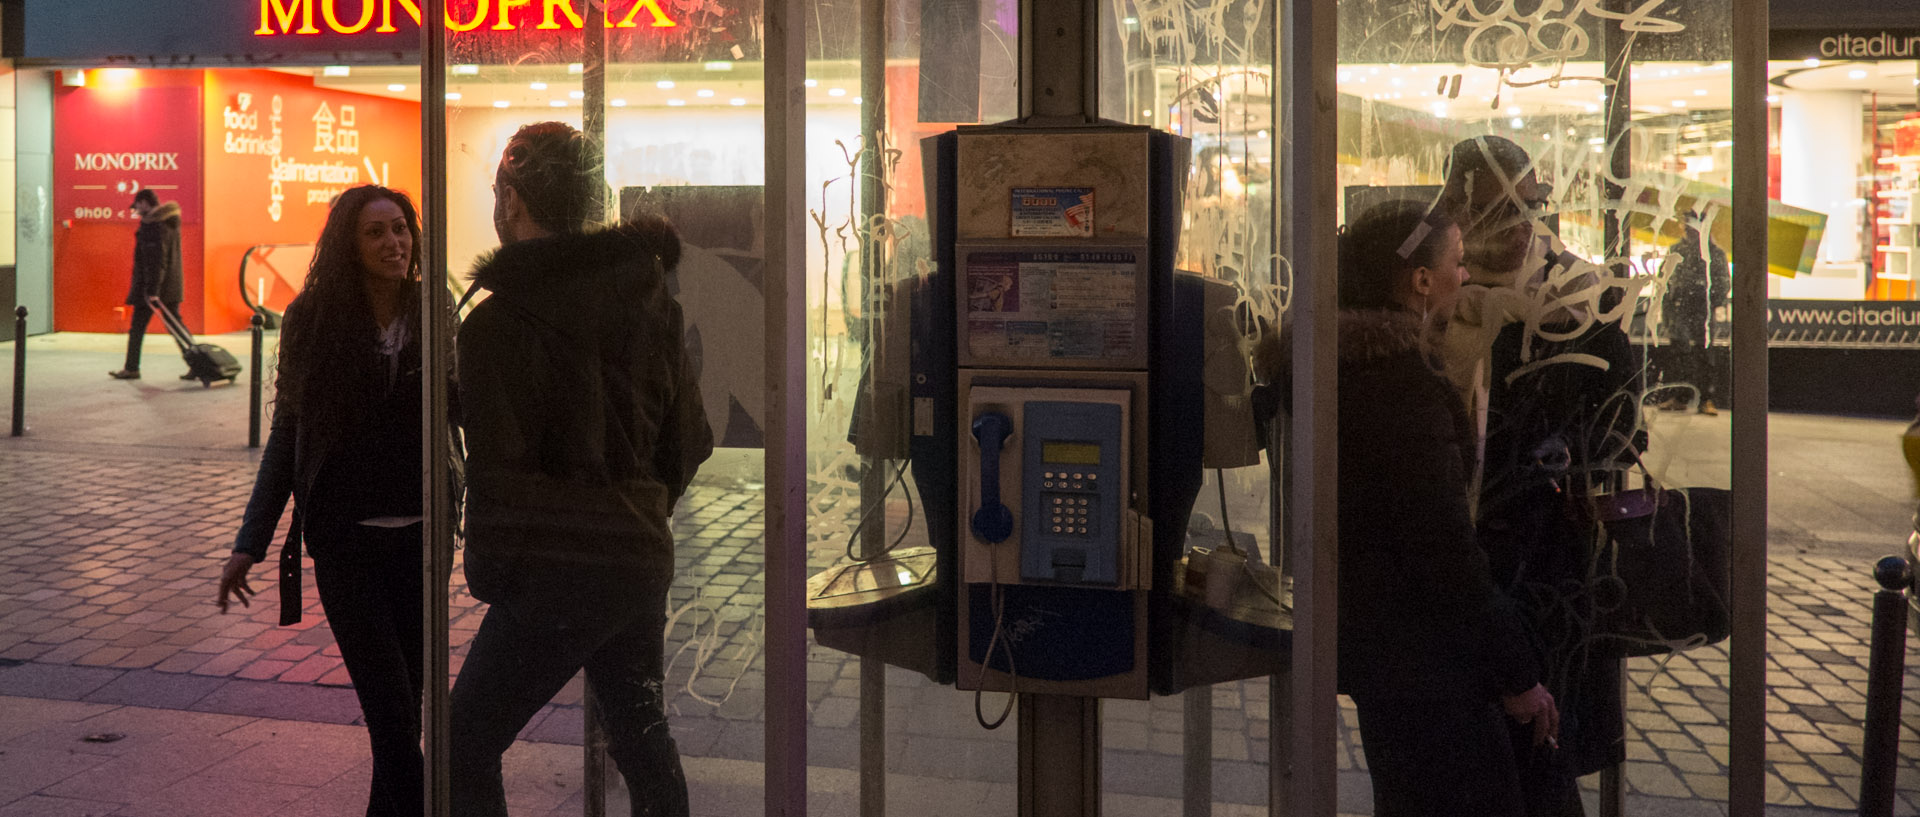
{"type": "Point", "coordinates": [167, 211]}
{"type": "Point", "coordinates": [581, 272]}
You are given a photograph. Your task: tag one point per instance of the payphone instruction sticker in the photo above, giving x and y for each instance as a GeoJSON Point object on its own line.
{"type": "Point", "coordinates": [1052, 212]}
{"type": "Point", "coordinates": [1052, 305]}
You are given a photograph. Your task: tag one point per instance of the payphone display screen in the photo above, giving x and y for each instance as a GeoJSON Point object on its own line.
{"type": "Point", "coordinates": [1070, 453]}
{"type": "Point", "coordinates": [1054, 307]}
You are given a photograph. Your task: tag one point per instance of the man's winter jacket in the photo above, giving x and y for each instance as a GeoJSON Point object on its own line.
{"type": "Point", "coordinates": [156, 256]}
{"type": "Point", "coordinates": [584, 423]}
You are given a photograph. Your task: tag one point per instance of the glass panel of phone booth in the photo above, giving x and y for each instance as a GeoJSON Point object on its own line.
{"type": "Point", "coordinates": [1577, 148]}
{"type": "Point", "coordinates": [882, 77]}
{"type": "Point", "coordinates": [1208, 74]}
{"type": "Point", "coordinates": [677, 111]}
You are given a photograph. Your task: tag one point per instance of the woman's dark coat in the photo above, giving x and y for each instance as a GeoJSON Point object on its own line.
{"type": "Point", "coordinates": [1420, 616]}
{"type": "Point", "coordinates": [156, 256]}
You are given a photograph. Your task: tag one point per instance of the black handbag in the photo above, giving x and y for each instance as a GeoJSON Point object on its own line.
{"type": "Point", "coordinates": [1663, 570]}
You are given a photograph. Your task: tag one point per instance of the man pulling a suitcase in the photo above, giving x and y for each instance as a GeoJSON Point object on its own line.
{"type": "Point", "coordinates": [156, 273]}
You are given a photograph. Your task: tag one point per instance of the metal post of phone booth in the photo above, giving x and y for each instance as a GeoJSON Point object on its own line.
{"type": "Point", "coordinates": [1059, 736]}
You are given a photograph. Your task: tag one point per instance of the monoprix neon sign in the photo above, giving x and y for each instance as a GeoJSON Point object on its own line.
{"type": "Point", "coordinates": [278, 17]}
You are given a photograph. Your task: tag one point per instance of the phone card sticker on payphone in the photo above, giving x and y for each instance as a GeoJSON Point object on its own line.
{"type": "Point", "coordinates": [1055, 308]}
{"type": "Point", "coordinates": [1070, 486]}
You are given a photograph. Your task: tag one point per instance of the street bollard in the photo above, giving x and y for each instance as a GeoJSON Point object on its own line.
{"type": "Point", "coordinates": [1886, 671]}
{"type": "Point", "coordinates": [253, 416]}
{"type": "Point", "coordinates": [19, 371]}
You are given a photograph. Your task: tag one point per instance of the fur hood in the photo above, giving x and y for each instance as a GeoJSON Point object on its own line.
{"type": "Point", "coordinates": [575, 281]}
{"type": "Point", "coordinates": [167, 211]}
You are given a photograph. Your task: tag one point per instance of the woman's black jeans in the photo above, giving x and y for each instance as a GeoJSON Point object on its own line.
{"type": "Point", "coordinates": [370, 584]}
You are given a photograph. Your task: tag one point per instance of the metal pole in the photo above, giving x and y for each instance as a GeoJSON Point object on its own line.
{"type": "Point", "coordinates": [593, 773]}
{"type": "Point", "coordinates": [1309, 57]}
{"type": "Point", "coordinates": [1886, 673]}
{"type": "Point", "coordinates": [256, 382]}
{"type": "Point", "coordinates": [873, 737]}
{"type": "Point", "coordinates": [436, 347]}
{"type": "Point", "coordinates": [1747, 721]}
{"type": "Point", "coordinates": [1197, 745]}
{"type": "Point", "coordinates": [1059, 756]}
{"type": "Point", "coordinates": [786, 434]}
{"type": "Point", "coordinates": [1616, 239]}
{"type": "Point", "coordinates": [593, 122]}
{"type": "Point", "coordinates": [19, 370]}
{"type": "Point", "coordinates": [873, 472]}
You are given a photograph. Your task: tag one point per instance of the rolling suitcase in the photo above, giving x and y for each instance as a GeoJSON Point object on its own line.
{"type": "Point", "coordinates": [205, 361]}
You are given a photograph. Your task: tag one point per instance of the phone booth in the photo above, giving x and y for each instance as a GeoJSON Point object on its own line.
{"type": "Point", "coordinates": [1050, 388]}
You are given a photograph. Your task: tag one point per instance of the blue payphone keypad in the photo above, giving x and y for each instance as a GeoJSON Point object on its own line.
{"type": "Point", "coordinates": [1070, 484]}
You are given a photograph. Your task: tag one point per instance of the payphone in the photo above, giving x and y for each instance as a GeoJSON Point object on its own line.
{"type": "Point", "coordinates": [1062, 391]}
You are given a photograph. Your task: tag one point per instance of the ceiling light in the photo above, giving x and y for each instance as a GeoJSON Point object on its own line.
{"type": "Point", "coordinates": [1679, 103]}
{"type": "Point", "coordinates": [1597, 140]}
{"type": "Point", "coordinates": [558, 103]}
{"type": "Point", "coordinates": [855, 100]}
{"type": "Point", "coordinates": [500, 103]}
{"type": "Point", "coordinates": [1857, 73]}
{"type": "Point", "coordinates": [836, 92]}
{"type": "Point", "coordinates": [1516, 123]}
{"type": "Point", "coordinates": [810, 83]}
{"type": "Point", "coordinates": [335, 71]}
{"type": "Point", "coordinates": [1592, 108]}
{"type": "Point", "coordinates": [618, 103]}
{"type": "Point", "coordinates": [664, 84]}
{"type": "Point", "coordinates": [718, 65]}
{"type": "Point", "coordinates": [704, 93]}
{"type": "Point", "coordinates": [396, 87]}
{"type": "Point", "coordinates": [1513, 110]}
{"type": "Point", "coordinates": [538, 86]}
{"type": "Point", "coordinates": [1774, 99]}
{"type": "Point", "coordinates": [453, 95]}
{"type": "Point", "coordinates": [736, 102]}
{"type": "Point", "coordinates": [576, 68]}
{"type": "Point", "coordinates": [1699, 92]}
{"type": "Point", "coordinates": [675, 103]}
{"type": "Point", "coordinates": [1812, 63]}
{"type": "Point", "coordinates": [576, 94]}
{"type": "Point", "coordinates": [466, 70]}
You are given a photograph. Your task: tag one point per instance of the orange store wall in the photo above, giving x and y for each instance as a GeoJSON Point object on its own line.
{"type": "Point", "coordinates": [326, 142]}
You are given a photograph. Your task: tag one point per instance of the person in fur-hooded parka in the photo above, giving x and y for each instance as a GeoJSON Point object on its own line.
{"type": "Point", "coordinates": [584, 426]}
{"type": "Point", "coordinates": [156, 272]}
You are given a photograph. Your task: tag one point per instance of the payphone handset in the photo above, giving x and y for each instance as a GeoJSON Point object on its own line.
{"type": "Point", "coordinates": [1046, 487]}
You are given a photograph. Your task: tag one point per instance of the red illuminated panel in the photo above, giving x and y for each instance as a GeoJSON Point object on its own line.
{"type": "Point", "coordinates": [125, 131]}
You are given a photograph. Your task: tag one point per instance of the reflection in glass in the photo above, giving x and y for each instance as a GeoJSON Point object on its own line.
{"type": "Point", "coordinates": [1585, 154]}
{"type": "Point", "coordinates": [667, 565]}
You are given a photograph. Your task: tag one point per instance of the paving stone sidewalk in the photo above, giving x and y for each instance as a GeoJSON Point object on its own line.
{"type": "Point", "coordinates": [108, 552]}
